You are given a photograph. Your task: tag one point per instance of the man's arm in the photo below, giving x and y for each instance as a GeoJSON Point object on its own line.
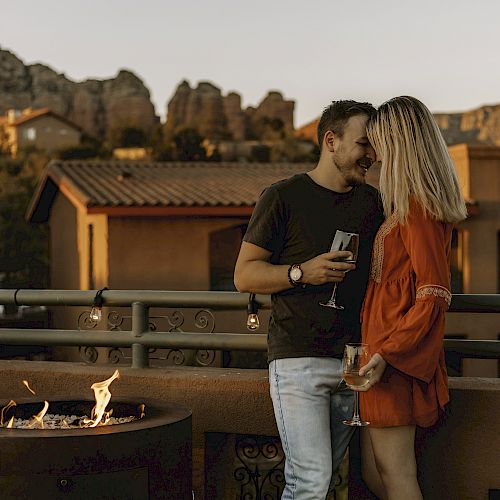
{"type": "Point", "coordinates": [254, 272]}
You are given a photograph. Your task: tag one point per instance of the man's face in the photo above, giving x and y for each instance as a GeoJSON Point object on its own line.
{"type": "Point", "coordinates": [353, 155]}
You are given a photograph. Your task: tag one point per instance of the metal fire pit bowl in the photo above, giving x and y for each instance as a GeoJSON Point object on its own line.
{"type": "Point", "coordinates": [147, 458]}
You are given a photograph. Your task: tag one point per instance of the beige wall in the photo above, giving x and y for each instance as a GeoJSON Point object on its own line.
{"type": "Point", "coordinates": [162, 253]}
{"type": "Point", "coordinates": [64, 256]}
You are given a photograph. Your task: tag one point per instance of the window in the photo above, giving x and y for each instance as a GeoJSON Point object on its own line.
{"type": "Point", "coordinates": [30, 134]}
{"type": "Point", "coordinates": [457, 261]}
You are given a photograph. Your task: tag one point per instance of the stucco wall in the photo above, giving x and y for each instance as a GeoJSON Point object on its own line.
{"type": "Point", "coordinates": [64, 257]}
{"type": "Point", "coordinates": [162, 253]}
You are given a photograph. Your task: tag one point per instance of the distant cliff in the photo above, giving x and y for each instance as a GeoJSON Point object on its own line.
{"type": "Point", "coordinates": [99, 107]}
{"type": "Point", "coordinates": [479, 126]}
{"type": "Point", "coordinates": [215, 116]}
{"type": "Point", "coordinates": [103, 107]}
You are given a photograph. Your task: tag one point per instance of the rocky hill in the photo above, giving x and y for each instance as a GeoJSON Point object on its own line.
{"type": "Point", "coordinates": [103, 107]}
{"type": "Point", "coordinates": [479, 126]}
{"type": "Point", "coordinates": [99, 107]}
{"type": "Point", "coordinates": [215, 116]}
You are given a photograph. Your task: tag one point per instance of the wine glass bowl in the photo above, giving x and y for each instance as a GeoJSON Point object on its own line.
{"type": "Point", "coordinates": [348, 242]}
{"type": "Point", "coordinates": [355, 357]}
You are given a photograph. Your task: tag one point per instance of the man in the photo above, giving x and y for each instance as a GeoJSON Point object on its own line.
{"type": "Point", "coordinates": [285, 253]}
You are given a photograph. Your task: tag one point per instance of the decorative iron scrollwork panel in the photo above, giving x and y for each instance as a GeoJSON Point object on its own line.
{"type": "Point", "coordinates": [177, 321]}
{"type": "Point", "coordinates": [260, 476]}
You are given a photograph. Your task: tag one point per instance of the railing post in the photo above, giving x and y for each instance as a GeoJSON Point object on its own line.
{"type": "Point", "coordinates": [140, 325]}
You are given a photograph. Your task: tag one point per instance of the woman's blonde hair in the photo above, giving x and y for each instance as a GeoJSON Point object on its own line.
{"type": "Point", "coordinates": [415, 161]}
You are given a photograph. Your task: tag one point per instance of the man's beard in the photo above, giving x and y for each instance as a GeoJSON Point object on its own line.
{"type": "Point", "coordinates": [350, 178]}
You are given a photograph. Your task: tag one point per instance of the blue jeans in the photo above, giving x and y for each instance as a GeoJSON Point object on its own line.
{"type": "Point", "coordinates": [310, 401]}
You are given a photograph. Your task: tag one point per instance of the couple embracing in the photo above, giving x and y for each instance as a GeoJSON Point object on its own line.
{"type": "Point", "coordinates": [395, 279]}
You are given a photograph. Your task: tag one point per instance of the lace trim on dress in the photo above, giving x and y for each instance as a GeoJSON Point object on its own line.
{"type": "Point", "coordinates": [378, 247]}
{"type": "Point", "coordinates": [436, 290]}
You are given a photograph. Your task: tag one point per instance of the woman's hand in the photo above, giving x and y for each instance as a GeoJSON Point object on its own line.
{"type": "Point", "coordinates": [375, 369]}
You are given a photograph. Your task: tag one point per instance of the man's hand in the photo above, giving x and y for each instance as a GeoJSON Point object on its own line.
{"type": "Point", "coordinates": [326, 268]}
{"type": "Point", "coordinates": [375, 369]}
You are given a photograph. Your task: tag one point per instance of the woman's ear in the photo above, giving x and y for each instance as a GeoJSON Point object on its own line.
{"type": "Point", "coordinates": [329, 141]}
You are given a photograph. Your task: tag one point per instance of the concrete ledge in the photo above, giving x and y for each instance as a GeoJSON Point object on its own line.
{"type": "Point", "coordinates": [458, 459]}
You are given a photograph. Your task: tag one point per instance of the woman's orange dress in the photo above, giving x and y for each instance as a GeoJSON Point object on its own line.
{"type": "Point", "coordinates": [403, 320]}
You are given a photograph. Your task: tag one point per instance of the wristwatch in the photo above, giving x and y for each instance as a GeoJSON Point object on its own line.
{"type": "Point", "coordinates": [295, 275]}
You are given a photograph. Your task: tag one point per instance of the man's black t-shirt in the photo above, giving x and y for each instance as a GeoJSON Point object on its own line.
{"type": "Point", "coordinates": [296, 220]}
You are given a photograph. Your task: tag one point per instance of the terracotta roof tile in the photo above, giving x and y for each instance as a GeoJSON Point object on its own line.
{"type": "Point", "coordinates": [33, 115]}
{"type": "Point", "coordinates": [163, 184]}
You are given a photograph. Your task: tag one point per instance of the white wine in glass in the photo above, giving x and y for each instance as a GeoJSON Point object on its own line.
{"type": "Point", "coordinates": [355, 357]}
{"type": "Point", "coordinates": [348, 242]}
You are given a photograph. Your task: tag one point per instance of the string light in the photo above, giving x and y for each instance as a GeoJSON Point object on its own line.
{"type": "Point", "coordinates": [253, 322]}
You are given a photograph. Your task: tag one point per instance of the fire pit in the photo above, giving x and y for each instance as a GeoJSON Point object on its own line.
{"type": "Point", "coordinates": [148, 457]}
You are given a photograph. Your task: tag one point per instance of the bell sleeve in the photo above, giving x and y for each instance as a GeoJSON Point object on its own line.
{"type": "Point", "coordinates": [415, 345]}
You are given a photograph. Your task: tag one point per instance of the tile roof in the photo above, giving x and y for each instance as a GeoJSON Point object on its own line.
{"type": "Point", "coordinates": [102, 183]}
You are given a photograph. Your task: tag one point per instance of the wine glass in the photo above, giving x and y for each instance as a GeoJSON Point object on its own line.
{"type": "Point", "coordinates": [342, 241]}
{"type": "Point", "coordinates": [355, 357]}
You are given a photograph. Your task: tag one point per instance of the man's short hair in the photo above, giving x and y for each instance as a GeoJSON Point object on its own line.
{"type": "Point", "coordinates": [336, 115]}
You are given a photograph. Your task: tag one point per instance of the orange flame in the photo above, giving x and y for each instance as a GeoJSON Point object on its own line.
{"type": "Point", "coordinates": [25, 382]}
{"type": "Point", "coordinates": [5, 409]}
{"type": "Point", "coordinates": [38, 419]}
{"type": "Point", "coordinates": [102, 398]}
{"type": "Point", "coordinates": [142, 410]}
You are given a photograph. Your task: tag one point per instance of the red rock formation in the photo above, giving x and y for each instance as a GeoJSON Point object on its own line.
{"type": "Point", "coordinates": [99, 107]}
{"type": "Point", "coordinates": [217, 117]}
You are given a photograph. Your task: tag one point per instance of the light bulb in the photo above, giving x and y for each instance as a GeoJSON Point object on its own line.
{"type": "Point", "coordinates": [253, 321]}
{"type": "Point", "coordinates": [96, 314]}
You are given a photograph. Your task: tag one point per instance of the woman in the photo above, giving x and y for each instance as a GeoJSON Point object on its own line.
{"type": "Point", "coordinates": [408, 292]}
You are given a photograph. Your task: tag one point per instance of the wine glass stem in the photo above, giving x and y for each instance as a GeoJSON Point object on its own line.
{"type": "Point", "coordinates": [356, 406]}
{"type": "Point", "coordinates": [334, 293]}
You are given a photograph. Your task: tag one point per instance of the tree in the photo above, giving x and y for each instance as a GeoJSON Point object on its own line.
{"type": "Point", "coordinates": [188, 145]}
{"type": "Point", "coordinates": [132, 137]}
{"type": "Point", "coordinates": [23, 246]}
{"type": "Point", "coordinates": [260, 153]}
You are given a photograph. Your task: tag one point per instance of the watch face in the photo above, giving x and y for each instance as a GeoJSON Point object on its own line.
{"type": "Point", "coordinates": [296, 274]}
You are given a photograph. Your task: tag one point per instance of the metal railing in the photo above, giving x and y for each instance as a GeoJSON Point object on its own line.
{"type": "Point", "coordinates": [140, 339]}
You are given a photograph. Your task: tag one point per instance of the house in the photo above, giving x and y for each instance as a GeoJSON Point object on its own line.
{"type": "Point", "coordinates": [179, 226]}
{"type": "Point", "coordinates": [153, 225]}
{"type": "Point", "coordinates": [41, 128]}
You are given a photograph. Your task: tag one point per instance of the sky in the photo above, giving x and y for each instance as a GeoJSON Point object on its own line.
{"type": "Point", "coordinates": [445, 52]}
